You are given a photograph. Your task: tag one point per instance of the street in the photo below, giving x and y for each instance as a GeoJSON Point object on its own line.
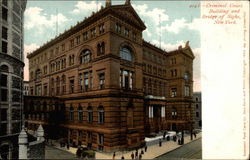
{"type": "Point", "coordinates": [191, 150]}
{"type": "Point", "coordinates": [52, 152]}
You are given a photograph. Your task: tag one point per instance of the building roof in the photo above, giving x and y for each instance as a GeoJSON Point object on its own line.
{"type": "Point", "coordinates": [186, 50]}
{"type": "Point", "coordinates": [125, 12]}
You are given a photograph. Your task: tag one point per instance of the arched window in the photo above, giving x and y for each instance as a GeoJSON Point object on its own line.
{"type": "Point", "coordinates": [100, 48]}
{"type": "Point", "coordinates": [85, 56]}
{"type": "Point", "coordinates": [80, 113]}
{"type": "Point", "coordinates": [126, 54]}
{"type": "Point", "coordinates": [100, 114]}
{"type": "Point", "coordinates": [90, 114]}
{"type": "Point", "coordinates": [4, 68]}
{"type": "Point", "coordinates": [71, 113]}
{"type": "Point", "coordinates": [174, 113]}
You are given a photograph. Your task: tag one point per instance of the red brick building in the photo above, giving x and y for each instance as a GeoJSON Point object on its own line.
{"type": "Point", "coordinates": [113, 87]}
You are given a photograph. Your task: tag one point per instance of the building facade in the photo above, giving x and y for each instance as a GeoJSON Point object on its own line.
{"type": "Point", "coordinates": [197, 110]}
{"type": "Point", "coordinates": [11, 75]}
{"type": "Point", "coordinates": [114, 87]}
{"type": "Point", "coordinates": [25, 88]}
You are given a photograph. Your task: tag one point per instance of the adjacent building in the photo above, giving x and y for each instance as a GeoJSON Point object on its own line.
{"type": "Point", "coordinates": [197, 110]}
{"type": "Point", "coordinates": [11, 75]}
{"type": "Point", "coordinates": [107, 86]}
{"type": "Point", "coordinates": [25, 88]}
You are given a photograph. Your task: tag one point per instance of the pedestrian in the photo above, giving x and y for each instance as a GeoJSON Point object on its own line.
{"type": "Point", "coordinates": [146, 147]}
{"type": "Point", "coordinates": [132, 155]}
{"type": "Point", "coordinates": [164, 135]}
{"type": "Point", "coordinates": [140, 156]}
{"type": "Point", "coordinates": [174, 138]}
{"type": "Point", "coordinates": [78, 152]}
{"type": "Point", "coordinates": [160, 142]}
{"type": "Point", "coordinates": [136, 154]}
{"type": "Point", "coordinates": [142, 152]}
{"type": "Point", "coordinates": [113, 155]}
{"type": "Point", "coordinates": [68, 146]}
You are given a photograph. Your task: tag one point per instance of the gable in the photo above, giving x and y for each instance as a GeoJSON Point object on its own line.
{"type": "Point", "coordinates": [127, 13]}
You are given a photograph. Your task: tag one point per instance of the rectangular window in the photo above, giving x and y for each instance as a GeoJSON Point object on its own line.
{"type": "Point", "coordinates": [71, 86]}
{"type": "Point", "coordinates": [85, 36]}
{"type": "Point", "coordinates": [163, 111]}
{"type": "Point", "coordinates": [90, 116]}
{"type": "Point", "coordinates": [86, 81]}
{"type": "Point", "coordinates": [118, 28]}
{"type": "Point", "coordinates": [101, 28]}
{"type": "Point", "coordinates": [93, 32]}
{"type": "Point", "coordinates": [150, 112]}
{"type": "Point", "coordinates": [197, 114]}
{"type": "Point", "coordinates": [4, 14]}
{"type": "Point", "coordinates": [3, 129]}
{"type": "Point", "coordinates": [78, 40]}
{"type": "Point", "coordinates": [173, 92]}
{"type": "Point", "coordinates": [126, 32]}
{"type": "Point", "coordinates": [45, 90]}
{"type": "Point", "coordinates": [3, 114]}
{"type": "Point", "coordinates": [4, 47]}
{"type": "Point", "coordinates": [90, 79]}
{"type": "Point", "coordinates": [80, 116]}
{"type": "Point", "coordinates": [101, 80]}
{"type": "Point", "coordinates": [4, 33]}
{"type": "Point", "coordinates": [101, 139]}
{"type": "Point", "coordinates": [80, 82]}
{"type": "Point", "coordinates": [101, 117]}
{"type": "Point", "coordinates": [3, 82]}
{"type": "Point", "coordinates": [4, 93]}
{"type": "Point", "coordinates": [187, 91]}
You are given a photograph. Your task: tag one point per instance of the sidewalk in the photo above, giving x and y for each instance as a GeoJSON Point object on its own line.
{"type": "Point", "coordinates": [153, 151]}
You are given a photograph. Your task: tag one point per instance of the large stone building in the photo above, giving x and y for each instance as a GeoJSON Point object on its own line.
{"type": "Point", "coordinates": [11, 75]}
{"type": "Point", "coordinates": [112, 87]}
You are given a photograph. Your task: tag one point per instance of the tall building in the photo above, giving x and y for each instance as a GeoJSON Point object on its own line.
{"type": "Point", "coordinates": [112, 87]}
{"type": "Point", "coordinates": [11, 75]}
{"type": "Point", "coordinates": [197, 110]}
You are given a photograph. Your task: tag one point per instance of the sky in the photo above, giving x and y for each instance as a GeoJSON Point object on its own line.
{"type": "Point", "coordinates": [172, 22]}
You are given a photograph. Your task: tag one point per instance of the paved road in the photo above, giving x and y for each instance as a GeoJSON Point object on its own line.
{"type": "Point", "coordinates": [54, 153]}
{"type": "Point", "coordinates": [154, 142]}
{"type": "Point", "coordinates": [191, 150]}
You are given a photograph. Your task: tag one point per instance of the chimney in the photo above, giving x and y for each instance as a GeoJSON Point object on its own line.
{"type": "Point", "coordinates": [108, 3]}
{"type": "Point", "coordinates": [127, 2]}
